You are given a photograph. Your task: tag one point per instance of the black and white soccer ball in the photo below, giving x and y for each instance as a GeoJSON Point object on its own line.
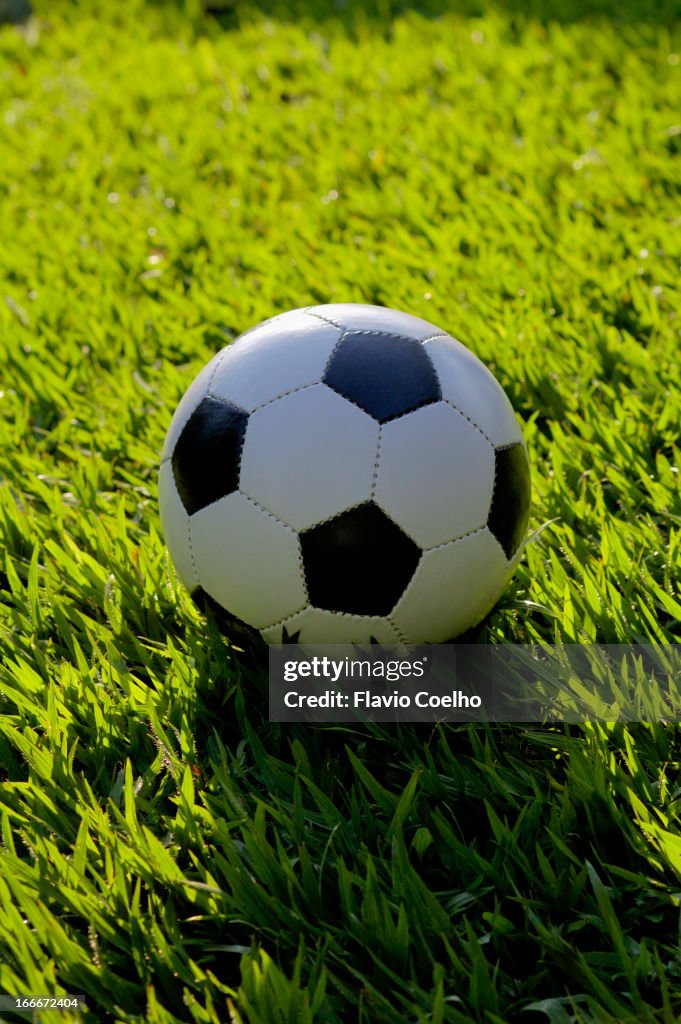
{"type": "Point", "coordinates": [342, 474]}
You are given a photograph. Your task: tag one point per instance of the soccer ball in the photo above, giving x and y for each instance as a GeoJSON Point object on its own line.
{"type": "Point", "coordinates": [345, 474]}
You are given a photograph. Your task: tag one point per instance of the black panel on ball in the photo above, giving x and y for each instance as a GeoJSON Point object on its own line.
{"type": "Point", "coordinates": [207, 453]}
{"type": "Point", "coordinates": [510, 507]}
{"type": "Point", "coordinates": [386, 375]}
{"type": "Point", "coordinates": [358, 562]}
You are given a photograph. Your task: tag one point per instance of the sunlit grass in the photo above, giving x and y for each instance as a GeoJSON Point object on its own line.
{"type": "Point", "coordinates": [166, 181]}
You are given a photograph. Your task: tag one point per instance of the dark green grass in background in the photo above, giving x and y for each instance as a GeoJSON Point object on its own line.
{"type": "Point", "coordinates": [168, 179]}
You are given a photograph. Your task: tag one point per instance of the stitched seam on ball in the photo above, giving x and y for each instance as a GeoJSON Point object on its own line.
{"type": "Point", "coordinates": [262, 405]}
{"type": "Point", "coordinates": [389, 419]}
{"type": "Point", "coordinates": [266, 511]}
{"type": "Point", "coordinates": [191, 551]}
{"type": "Point", "coordinates": [359, 504]}
{"type": "Point", "coordinates": [385, 334]}
{"type": "Point", "coordinates": [256, 327]}
{"type": "Point", "coordinates": [215, 369]}
{"type": "Point", "coordinates": [455, 540]}
{"type": "Point", "coordinates": [346, 615]}
{"type": "Point", "coordinates": [374, 479]}
{"type": "Point", "coordinates": [281, 622]}
{"type": "Point", "coordinates": [414, 408]}
{"type": "Point", "coordinates": [401, 637]}
{"type": "Point", "coordinates": [336, 515]}
{"type": "Point", "coordinates": [300, 556]}
{"type": "Point", "coordinates": [301, 568]}
{"type": "Point", "coordinates": [351, 508]}
{"type": "Point", "coordinates": [491, 506]}
{"type": "Point", "coordinates": [511, 444]}
{"type": "Point", "coordinates": [331, 355]}
{"type": "Point", "coordinates": [226, 401]}
{"type": "Point", "coordinates": [283, 394]}
{"type": "Point", "coordinates": [347, 398]}
{"type": "Point", "coordinates": [318, 316]}
{"type": "Point", "coordinates": [434, 337]}
{"type": "Point", "coordinates": [242, 442]}
{"type": "Point", "coordinates": [471, 421]}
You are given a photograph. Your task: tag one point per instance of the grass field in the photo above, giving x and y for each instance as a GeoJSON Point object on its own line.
{"type": "Point", "coordinates": [168, 179]}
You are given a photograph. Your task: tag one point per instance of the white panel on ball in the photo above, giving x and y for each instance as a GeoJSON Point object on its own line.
{"type": "Point", "coordinates": [309, 456]}
{"type": "Point", "coordinates": [436, 474]}
{"type": "Point", "coordinates": [287, 353]}
{"type": "Point", "coordinates": [194, 394]}
{"type": "Point", "coordinates": [355, 316]}
{"type": "Point", "coordinates": [175, 523]}
{"type": "Point", "coordinates": [452, 589]}
{"type": "Point", "coordinates": [247, 560]}
{"type": "Point", "coordinates": [317, 626]}
{"type": "Point", "coordinates": [470, 387]}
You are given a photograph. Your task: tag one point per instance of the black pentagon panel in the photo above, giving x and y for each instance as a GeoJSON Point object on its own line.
{"type": "Point", "coordinates": [386, 375]}
{"type": "Point", "coordinates": [358, 562]}
{"type": "Point", "coordinates": [510, 509]}
{"type": "Point", "coordinates": [239, 633]}
{"type": "Point", "coordinates": [208, 452]}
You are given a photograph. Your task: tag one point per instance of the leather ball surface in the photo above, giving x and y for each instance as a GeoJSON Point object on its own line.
{"type": "Point", "coordinates": [345, 473]}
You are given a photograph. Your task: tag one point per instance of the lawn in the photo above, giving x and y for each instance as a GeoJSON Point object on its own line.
{"type": "Point", "coordinates": [168, 178]}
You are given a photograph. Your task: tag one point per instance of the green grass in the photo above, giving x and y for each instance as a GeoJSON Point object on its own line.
{"type": "Point", "coordinates": [167, 180]}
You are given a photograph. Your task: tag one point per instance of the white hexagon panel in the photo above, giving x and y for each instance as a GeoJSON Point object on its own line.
{"type": "Point", "coordinates": [470, 387]}
{"type": "Point", "coordinates": [470, 575]}
{"type": "Point", "coordinates": [309, 456]}
{"type": "Point", "coordinates": [287, 353]}
{"type": "Point", "coordinates": [435, 474]}
{"type": "Point", "coordinates": [247, 561]}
